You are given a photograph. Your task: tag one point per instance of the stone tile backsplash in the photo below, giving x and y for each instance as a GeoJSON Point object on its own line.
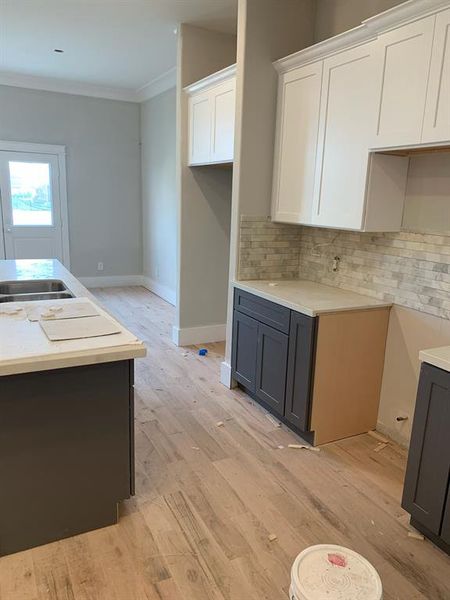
{"type": "Point", "coordinates": [268, 250]}
{"type": "Point", "coordinates": [410, 269]}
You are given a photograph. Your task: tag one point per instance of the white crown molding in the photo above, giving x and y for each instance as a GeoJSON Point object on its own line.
{"type": "Point", "coordinates": [367, 31]}
{"type": "Point", "coordinates": [50, 84]}
{"type": "Point", "coordinates": [348, 39]}
{"type": "Point", "coordinates": [211, 80]}
{"type": "Point", "coordinates": [407, 11]}
{"type": "Point", "coordinates": [157, 86]}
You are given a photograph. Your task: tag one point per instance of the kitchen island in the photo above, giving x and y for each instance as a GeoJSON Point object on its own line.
{"type": "Point", "coordinates": [66, 419]}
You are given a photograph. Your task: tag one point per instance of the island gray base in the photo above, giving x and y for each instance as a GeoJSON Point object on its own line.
{"type": "Point", "coordinates": [66, 452]}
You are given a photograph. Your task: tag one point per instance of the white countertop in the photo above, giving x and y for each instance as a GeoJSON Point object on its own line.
{"type": "Point", "coordinates": [309, 298]}
{"type": "Point", "coordinates": [438, 357]}
{"type": "Point", "coordinates": [25, 348]}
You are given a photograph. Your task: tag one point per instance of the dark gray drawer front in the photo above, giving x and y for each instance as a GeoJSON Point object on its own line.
{"type": "Point", "coordinates": [271, 314]}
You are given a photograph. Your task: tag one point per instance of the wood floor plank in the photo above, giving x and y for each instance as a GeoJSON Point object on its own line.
{"type": "Point", "coordinates": [208, 497]}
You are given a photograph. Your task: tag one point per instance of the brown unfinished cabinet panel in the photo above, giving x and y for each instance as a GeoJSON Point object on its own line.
{"type": "Point", "coordinates": [349, 362]}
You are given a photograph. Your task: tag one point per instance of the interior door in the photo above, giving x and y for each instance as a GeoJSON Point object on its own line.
{"type": "Point", "coordinates": [30, 205]}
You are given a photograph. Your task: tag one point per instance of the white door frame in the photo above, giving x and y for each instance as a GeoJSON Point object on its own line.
{"type": "Point", "coordinates": [60, 153]}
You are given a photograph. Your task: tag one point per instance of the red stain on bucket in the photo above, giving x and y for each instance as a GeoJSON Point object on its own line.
{"type": "Point", "coordinates": [337, 560]}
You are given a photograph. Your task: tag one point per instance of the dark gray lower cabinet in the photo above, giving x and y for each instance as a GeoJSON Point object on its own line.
{"type": "Point", "coordinates": [66, 452]}
{"type": "Point", "coordinates": [445, 532]}
{"type": "Point", "coordinates": [245, 344]}
{"type": "Point", "coordinates": [272, 357]}
{"type": "Point", "coordinates": [299, 379]}
{"type": "Point", "coordinates": [271, 366]}
{"type": "Point", "coordinates": [426, 491]}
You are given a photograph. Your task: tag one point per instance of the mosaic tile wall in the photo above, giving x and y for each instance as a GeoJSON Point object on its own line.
{"type": "Point", "coordinates": [409, 269]}
{"type": "Point", "coordinates": [268, 250]}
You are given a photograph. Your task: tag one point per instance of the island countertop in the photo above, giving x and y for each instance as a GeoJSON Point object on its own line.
{"type": "Point", "coordinates": [24, 347]}
{"type": "Point", "coordinates": [308, 297]}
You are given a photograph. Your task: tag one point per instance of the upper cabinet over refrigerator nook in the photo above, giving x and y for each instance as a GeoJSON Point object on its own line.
{"type": "Point", "coordinates": [345, 102]}
{"type": "Point", "coordinates": [212, 105]}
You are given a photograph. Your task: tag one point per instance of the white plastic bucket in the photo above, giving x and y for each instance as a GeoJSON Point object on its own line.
{"type": "Point", "coordinates": [333, 573]}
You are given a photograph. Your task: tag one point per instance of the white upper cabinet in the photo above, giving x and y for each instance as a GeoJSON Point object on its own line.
{"type": "Point", "coordinates": [404, 56]}
{"type": "Point", "coordinates": [223, 119]}
{"type": "Point", "coordinates": [436, 126]}
{"type": "Point", "coordinates": [211, 118]}
{"type": "Point", "coordinates": [346, 123]}
{"type": "Point", "coordinates": [296, 144]}
{"type": "Point", "coordinates": [200, 128]}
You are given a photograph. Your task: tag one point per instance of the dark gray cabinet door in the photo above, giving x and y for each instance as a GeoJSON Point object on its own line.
{"type": "Point", "coordinates": [245, 342]}
{"type": "Point", "coordinates": [271, 367]}
{"type": "Point", "coordinates": [262, 310]}
{"type": "Point", "coordinates": [427, 473]}
{"type": "Point", "coordinates": [445, 533]}
{"type": "Point", "coordinates": [299, 374]}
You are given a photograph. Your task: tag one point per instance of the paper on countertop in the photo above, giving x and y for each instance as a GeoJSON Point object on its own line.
{"type": "Point", "coordinates": [12, 313]}
{"type": "Point", "coordinates": [62, 310]}
{"type": "Point", "coordinates": [80, 328]}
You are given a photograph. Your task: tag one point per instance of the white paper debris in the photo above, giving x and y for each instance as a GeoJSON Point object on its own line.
{"type": "Point", "coordinates": [380, 447]}
{"type": "Point", "coordinates": [415, 535]}
{"type": "Point", "coordinates": [303, 447]}
{"type": "Point", "coordinates": [272, 419]}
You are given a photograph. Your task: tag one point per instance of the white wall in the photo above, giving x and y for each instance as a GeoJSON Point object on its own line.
{"type": "Point", "coordinates": [159, 194]}
{"type": "Point", "coordinates": [204, 203]}
{"type": "Point", "coordinates": [427, 205]}
{"type": "Point", "coordinates": [103, 171]}
{"type": "Point", "coordinates": [336, 16]}
{"type": "Point", "coordinates": [267, 31]}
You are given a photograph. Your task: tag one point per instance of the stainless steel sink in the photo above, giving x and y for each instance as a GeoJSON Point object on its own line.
{"type": "Point", "coordinates": [33, 289]}
{"type": "Point", "coordinates": [32, 286]}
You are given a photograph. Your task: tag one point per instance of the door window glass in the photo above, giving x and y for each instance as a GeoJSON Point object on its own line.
{"type": "Point", "coordinates": [31, 197]}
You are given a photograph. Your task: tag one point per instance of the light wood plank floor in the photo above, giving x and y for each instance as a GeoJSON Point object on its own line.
{"type": "Point", "coordinates": [208, 497]}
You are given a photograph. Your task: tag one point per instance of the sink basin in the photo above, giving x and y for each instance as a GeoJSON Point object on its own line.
{"type": "Point", "coordinates": [32, 286]}
{"type": "Point", "coordinates": [33, 289]}
{"type": "Point", "coordinates": [34, 297]}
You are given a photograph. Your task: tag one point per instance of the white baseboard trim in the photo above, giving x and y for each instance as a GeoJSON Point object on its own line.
{"type": "Point", "coordinates": [191, 336]}
{"type": "Point", "coordinates": [225, 375]}
{"type": "Point", "coordinates": [111, 281]}
{"type": "Point", "coordinates": [160, 290]}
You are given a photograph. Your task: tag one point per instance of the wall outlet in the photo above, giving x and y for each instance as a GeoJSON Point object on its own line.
{"type": "Point", "coordinates": [100, 266]}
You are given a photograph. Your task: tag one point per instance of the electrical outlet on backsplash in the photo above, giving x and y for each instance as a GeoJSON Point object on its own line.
{"type": "Point", "coordinates": [406, 268]}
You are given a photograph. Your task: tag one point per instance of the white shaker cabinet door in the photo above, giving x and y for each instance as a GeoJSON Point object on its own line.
{"type": "Point", "coordinates": [200, 129]}
{"type": "Point", "coordinates": [296, 144]}
{"type": "Point", "coordinates": [346, 123]}
{"type": "Point", "coordinates": [224, 109]}
{"type": "Point", "coordinates": [437, 113]}
{"type": "Point", "coordinates": [404, 56]}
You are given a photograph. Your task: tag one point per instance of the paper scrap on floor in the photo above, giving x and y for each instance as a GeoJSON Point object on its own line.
{"type": "Point", "coordinates": [73, 329]}
{"type": "Point", "coordinates": [61, 310]}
